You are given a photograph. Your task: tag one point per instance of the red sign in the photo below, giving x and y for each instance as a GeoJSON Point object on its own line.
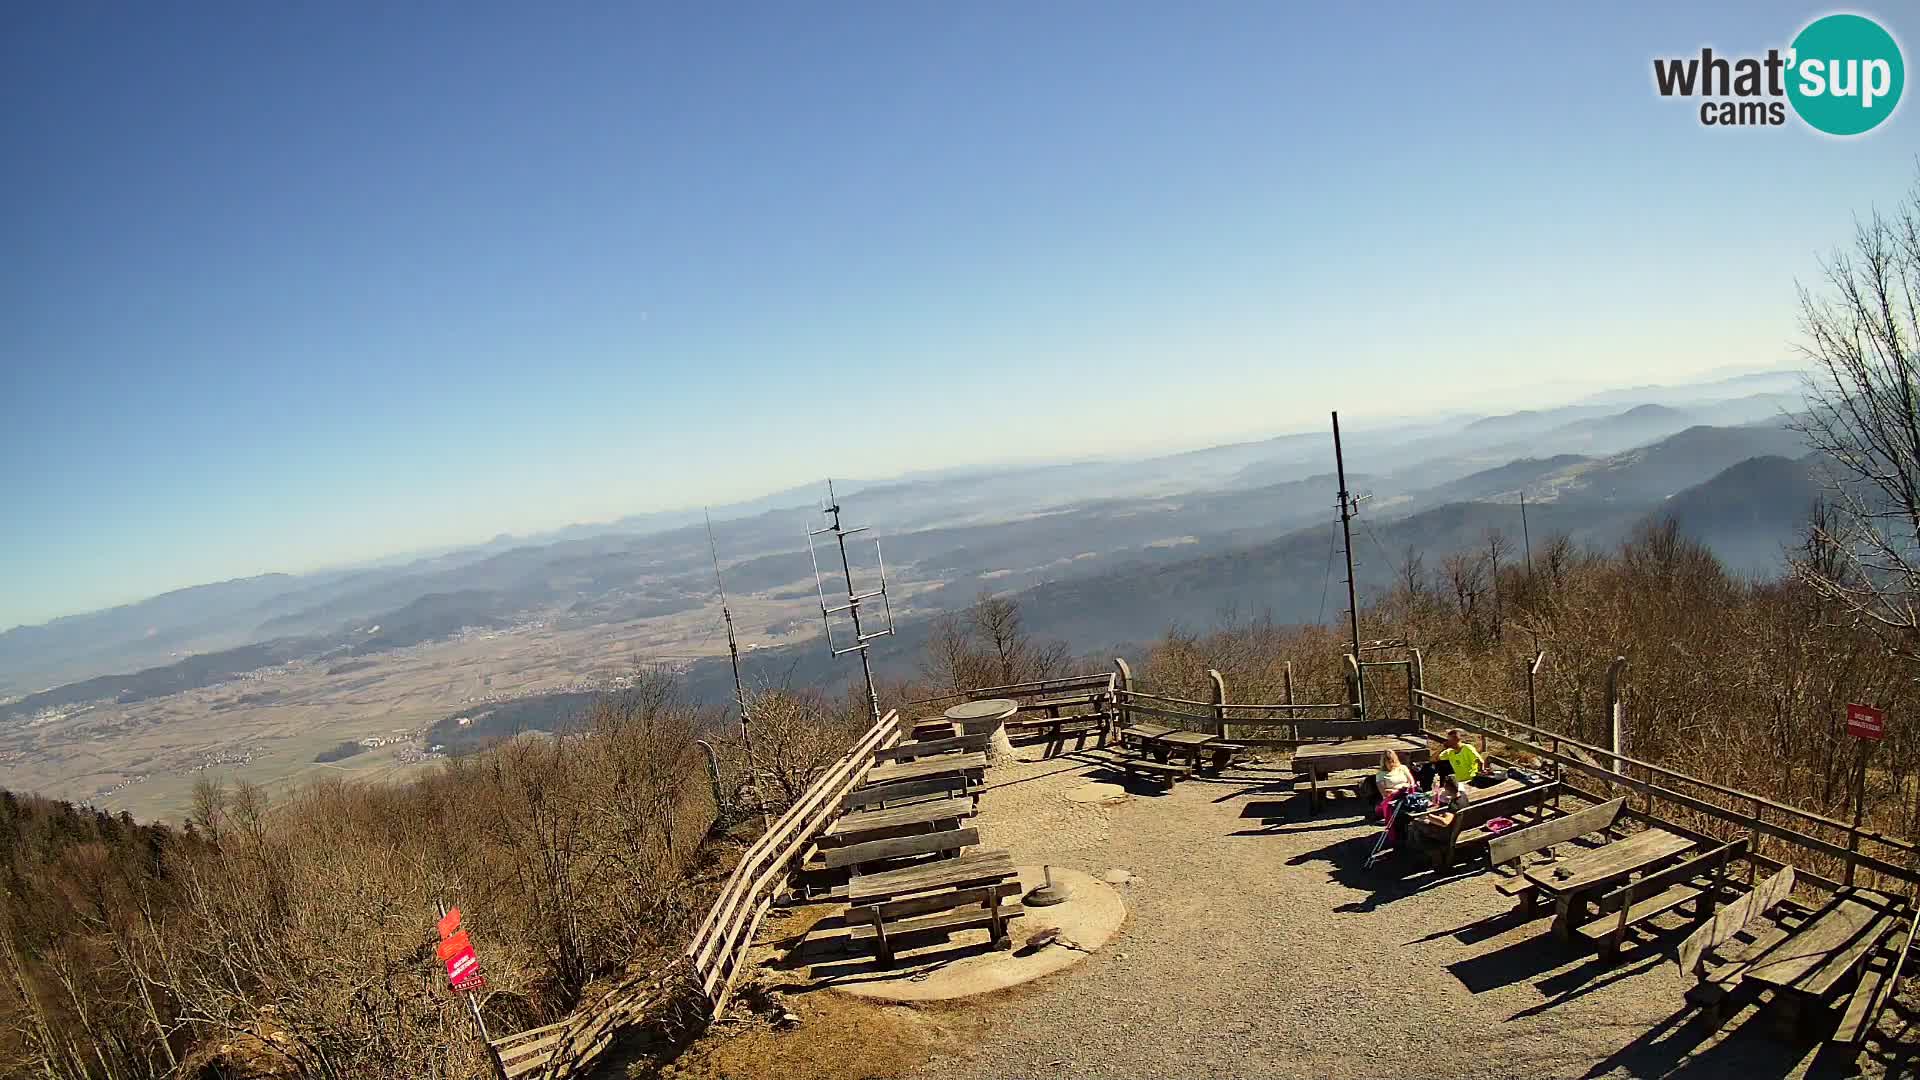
{"type": "Point", "coordinates": [463, 967]}
{"type": "Point", "coordinates": [1866, 722]}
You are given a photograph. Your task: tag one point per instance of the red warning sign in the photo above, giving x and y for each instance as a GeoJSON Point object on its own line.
{"type": "Point", "coordinates": [456, 951]}
{"type": "Point", "coordinates": [1866, 722]}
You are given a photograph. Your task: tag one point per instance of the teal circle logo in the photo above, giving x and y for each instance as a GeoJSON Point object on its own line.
{"type": "Point", "coordinates": [1846, 74]}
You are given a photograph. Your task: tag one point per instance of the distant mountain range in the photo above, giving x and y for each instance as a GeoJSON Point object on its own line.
{"type": "Point", "coordinates": [1108, 550]}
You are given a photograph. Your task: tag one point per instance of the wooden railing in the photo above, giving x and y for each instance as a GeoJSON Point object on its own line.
{"type": "Point", "coordinates": [1745, 811]}
{"type": "Point", "coordinates": [706, 973]}
{"type": "Point", "coordinates": [722, 941]}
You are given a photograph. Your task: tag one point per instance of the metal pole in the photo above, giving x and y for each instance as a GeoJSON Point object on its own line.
{"type": "Point", "coordinates": [1859, 811]}
{"type": "Point", "coordinates": [853, 611]}
{"type": "Point", "coordinates": [739, 688]}
{"type": "Point", "coordinates": [1526, 537]}
{"type": "Point", "coordinates": [479, 1021]}
{"type": "Point", "coordinates": [1346, 532]}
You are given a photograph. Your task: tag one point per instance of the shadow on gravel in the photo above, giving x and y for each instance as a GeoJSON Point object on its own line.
{"type": "Point", "coordinates": [1521, 961]}
{"type": "Point", "coordinates": [1677, 1047]}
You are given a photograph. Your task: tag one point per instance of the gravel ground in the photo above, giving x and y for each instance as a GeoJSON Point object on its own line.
{"type": "Point", "coordinates": [1258, 946]}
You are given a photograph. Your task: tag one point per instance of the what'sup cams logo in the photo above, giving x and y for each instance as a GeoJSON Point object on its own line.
{"type": "Point", "coordinates": [1842, 75]}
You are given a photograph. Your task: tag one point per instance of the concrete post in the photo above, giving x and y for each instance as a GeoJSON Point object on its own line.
{"type": "Point", "coordinates": [1122, 688]}
{"type": "Point", "coordinates": [1219, 704]}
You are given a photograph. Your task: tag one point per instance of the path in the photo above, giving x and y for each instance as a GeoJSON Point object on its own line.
{"type": "Point", "coordinates": [1257, 947]}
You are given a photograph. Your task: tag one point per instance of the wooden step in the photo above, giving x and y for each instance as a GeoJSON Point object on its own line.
{"type": "Point", "coordinates": [945, 923]}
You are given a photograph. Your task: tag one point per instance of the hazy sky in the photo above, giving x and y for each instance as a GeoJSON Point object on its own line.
{"type": "Point", "coordinates": [289, 285]}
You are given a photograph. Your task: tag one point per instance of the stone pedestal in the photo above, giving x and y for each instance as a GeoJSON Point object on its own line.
{"type": "Point", "coordinates": [987, 718]}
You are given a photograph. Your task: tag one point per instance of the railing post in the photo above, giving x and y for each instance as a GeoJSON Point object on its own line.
{"type": "Point", "coordinates": [1219, 704]}
{"type": "Point", "coordinates": [1416, 677]}
{"type": "Point", "coordinates": [1753, 839]}
{"type": "Point", "coordinates": [1124, 688]}
{"type": "Point", "coordinates": [1356, 693]}
{"type": "Point", "coordinates": [1616, 710]}
{"type": "Point", "coordinates": [1533, 669]}
{"type": "Point", "coordinates": [1287, 675]}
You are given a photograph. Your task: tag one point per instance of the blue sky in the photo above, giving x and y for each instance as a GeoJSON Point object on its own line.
{"type": "Point", "coordinates": [294, 285]}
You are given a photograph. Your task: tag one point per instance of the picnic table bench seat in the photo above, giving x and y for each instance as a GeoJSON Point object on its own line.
{"type": "Point", "coordinates": [884, 822]}
{"type": "Point", "coordinates": [925, 767]}
{"type": "Point", "coordinates": [892, 924]}
{"type": "Point", "coordinates": [1166, 774]}
{"type": "Point", "coordinates": [1657, 893]}
{"type": "Point", "coordinates": [1468, 829]}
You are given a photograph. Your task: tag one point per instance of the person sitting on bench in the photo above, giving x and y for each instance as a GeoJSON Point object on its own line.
{"type": "Point", "coordinates": [1392, 780]}
{"type": "Point", "coordinates": [1459, 757]}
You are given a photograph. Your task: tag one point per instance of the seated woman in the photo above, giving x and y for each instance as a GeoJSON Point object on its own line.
{"type": "Point", "coordinates": [1392, 781]}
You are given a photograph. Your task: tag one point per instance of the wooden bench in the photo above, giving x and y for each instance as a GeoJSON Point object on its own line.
{"type": "Point", "coordinates": [1220, 754]}
{"type": "Point", "coordinates": [1468, 828]}
{"type": "Point", "coordinates": [1515, 844]}
{"type": "Point", "coordinates": [1660, 892]}
{"type": "Point", "coordinates": [1167, 775]}
{"type": "Point", "coordinates": [932, 815]}
{"type": "Point", "coordinates": [1879, 981]}
{"type": "Point", "coordinates": [1716, 981]}
{"type": "Point", "coordinates": [889, 925]}
{"type": "Point", "coordinates": [913, 750]}
{"type": "Point", "coordinates": [900, 847]}
{"type": "Point", "coordinates": [942, 787]}
{"type": "Point", "coordinates": [928, 767]}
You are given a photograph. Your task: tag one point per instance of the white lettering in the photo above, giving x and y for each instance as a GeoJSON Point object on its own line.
{"type": "Point", "coordinates": [1813, 77]}
{"type": "Point", "coordinates": [1879, 79]}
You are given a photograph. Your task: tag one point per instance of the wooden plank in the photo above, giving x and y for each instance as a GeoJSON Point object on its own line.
{"type": "Point", "coordinates": [901, 846]}
{"type": "Point", "coordinates": [894, 817]}
{"type": "Point", "coordinates": [1342, 729]}
{"type": "Point", "coordinates": [1511, 845]}
{"type": "Point", "coordinates": [1876, 987]}
{"type": "Point", "coordinates": [921, 905]}
{"type": "Point", "coordinates": [1610, 863]}
{"type": "Point", "coordinates": [1613, 923]}
{"type": "Point", "coordinates": [1728, 920]}
{"type": "Point", "coordinates": [979, 867]}
{"type": "Point", "coordinates": [925, 767]}
{"type": "Point", "coordinates": [1677, 874]}
{"type": "Point", "coordinates": [1813, 959]}
{"type": "Point", "coordinates": [944, 923]}
{"type": "Point", "coordinates": [911, 789]}
{"type": "Point", "coordinates": [931, 747]}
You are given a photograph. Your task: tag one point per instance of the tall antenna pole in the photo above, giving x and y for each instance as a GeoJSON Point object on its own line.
{"type": "Point", "coordinates": [739, 688]}
{"type": "Point", "coordinates": [854, 598]}
{"type": "Point", "coordinates": [1526, 537]}
{"type": "Point", "coordinates": [1346, 533]}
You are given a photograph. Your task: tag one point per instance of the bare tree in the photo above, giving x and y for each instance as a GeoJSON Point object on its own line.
{"type": "Point", "coordinates": [1861, 331]}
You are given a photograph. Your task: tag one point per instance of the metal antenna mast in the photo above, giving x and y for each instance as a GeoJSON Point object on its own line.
{"type": "Point", "coordinates": [1346, 533]}
{"type": "Point", "coordinates": [726, 613]}
{"type": "Point", "coordinates": [739, 688]}
{"type": "Point", "coordinates": [854, 597]}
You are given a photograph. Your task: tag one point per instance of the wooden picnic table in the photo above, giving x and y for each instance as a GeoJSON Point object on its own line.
{"type": "Point", "coordinates": [920, 768]}
{"type": "Point", "coordinates": [976, 868]}
{"type": "Point", "coordinates": [1320, 760]}
{"type": "Point", "coordinates": [1805, 966]}
{"type": "Point", "coordinates": [1141, 734]}
{"type": "Point", "coordinates": [864, 825]}
{"type": "Point", "coordinates": [1571, 882]}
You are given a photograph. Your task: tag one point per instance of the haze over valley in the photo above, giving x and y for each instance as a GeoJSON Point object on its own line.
{"type": "Point", "coordinates": [371, 670]}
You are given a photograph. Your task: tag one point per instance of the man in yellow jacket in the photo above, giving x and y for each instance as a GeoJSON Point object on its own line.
{"type": "Point", "coordinates": [1460, 756]}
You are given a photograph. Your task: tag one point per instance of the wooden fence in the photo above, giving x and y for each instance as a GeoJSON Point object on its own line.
{"type": "Point", "coordinates": [703, 979]}
{"type": "Point", "coordinates": [1732, 810]}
